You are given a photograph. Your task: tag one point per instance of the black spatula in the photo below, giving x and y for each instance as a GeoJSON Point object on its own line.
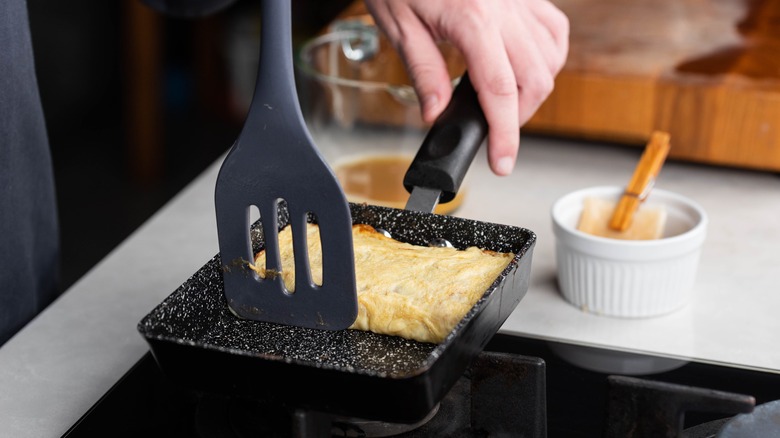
{"type": "Point", "coordinates": [274, 159]}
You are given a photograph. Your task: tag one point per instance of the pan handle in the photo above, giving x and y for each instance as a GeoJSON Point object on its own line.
{"type": "Point", "coordinates": [450, 145]}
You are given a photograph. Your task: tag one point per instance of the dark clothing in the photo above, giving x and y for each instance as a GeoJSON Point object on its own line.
{"type": "Point", "coordinates": [29, 234]}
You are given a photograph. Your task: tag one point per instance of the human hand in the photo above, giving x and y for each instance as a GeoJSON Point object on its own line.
{"type": "Point", "coordinates": [513, 50]}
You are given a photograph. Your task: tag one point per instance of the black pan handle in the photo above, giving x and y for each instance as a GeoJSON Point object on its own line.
{"type": "Point", "coordinates": [451, 144]}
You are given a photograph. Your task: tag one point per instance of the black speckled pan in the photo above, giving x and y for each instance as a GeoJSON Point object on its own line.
{"type": "Point", "coordinates": [201, 345]}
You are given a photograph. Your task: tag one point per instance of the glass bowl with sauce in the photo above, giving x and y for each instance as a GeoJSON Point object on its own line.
{"type": "Point", "coordinates": [362, 111]}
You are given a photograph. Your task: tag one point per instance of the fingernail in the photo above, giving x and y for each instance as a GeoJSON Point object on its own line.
{"type": "Point", "coordinates": [505, 165]}
{"type": "Point", "coordinates": [430, 103]}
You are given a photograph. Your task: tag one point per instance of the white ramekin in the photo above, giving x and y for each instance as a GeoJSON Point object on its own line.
{"type": "Point", "coordinates": [628, 278]}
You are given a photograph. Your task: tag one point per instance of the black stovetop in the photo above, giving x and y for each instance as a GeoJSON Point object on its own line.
{"type": "Point", "coordinates": [144, 403]}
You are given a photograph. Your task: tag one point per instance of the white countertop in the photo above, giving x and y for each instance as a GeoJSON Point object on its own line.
{"type": "Point", "coordinates": [61, 363]}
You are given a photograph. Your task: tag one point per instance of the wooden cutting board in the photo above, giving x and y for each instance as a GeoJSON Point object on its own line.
{"type": "Point", "coordinates": [706, 71]}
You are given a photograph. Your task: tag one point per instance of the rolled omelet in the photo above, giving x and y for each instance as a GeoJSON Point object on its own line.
{"type": "Point", "coordinates": [416, 292]}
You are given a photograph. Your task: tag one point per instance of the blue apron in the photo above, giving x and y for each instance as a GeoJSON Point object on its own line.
{"type": "Point", "coordinates": [29, 234]}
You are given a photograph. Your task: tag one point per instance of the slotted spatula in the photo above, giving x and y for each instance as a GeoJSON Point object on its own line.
{"type": "Point", "coordinates": [273, 159]}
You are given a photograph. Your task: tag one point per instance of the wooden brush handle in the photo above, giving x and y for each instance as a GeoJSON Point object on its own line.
{"type": "Point", "coordinates": [641, 182]}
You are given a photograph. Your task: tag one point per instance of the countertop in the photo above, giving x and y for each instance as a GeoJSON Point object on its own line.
{"type": "Point", "coordinates": [61, 363]}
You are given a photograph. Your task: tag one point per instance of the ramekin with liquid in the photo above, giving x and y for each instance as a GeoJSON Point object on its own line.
{"type": "Point", "coordinates": [628, 278]}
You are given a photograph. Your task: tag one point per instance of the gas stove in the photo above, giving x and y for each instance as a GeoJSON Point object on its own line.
{"type": "Point", "coordinates": [516, 387]}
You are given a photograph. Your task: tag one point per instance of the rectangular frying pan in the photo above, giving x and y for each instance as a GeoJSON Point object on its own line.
{"type": "Point", "coordinates": [200, 344]}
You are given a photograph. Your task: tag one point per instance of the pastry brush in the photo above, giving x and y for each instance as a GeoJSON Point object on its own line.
{"type": "Point", "coordinates": [629, 218]}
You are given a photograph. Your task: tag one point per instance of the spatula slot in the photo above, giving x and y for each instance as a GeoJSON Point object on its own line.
{"type": "Point", "coordinates": [300, 246]}
{"type": "Point", "coordinates": [299, 249]}
{"type": "Point", "coordinates": [314, 251]}
{"type": "Point", "coordinates": [254, 216]}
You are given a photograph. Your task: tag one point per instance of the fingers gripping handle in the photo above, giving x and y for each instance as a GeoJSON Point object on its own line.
{"type": "Point", "coordinates": [451, 144]}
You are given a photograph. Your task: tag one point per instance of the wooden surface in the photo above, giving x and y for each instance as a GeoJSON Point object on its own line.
{"type": "Point", "coordinates": [706, 71]}
{"type": "Point", "coordinates": [142, 32]}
